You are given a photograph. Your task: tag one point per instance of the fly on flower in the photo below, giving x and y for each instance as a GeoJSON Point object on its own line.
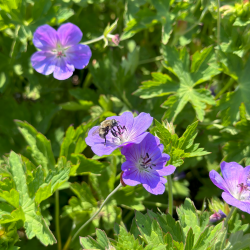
{"type": "Point", "coordinates": [59, 51]}
{"type": "Point", "coordinates": [145, 164]}
{"type": "Point", "coordinates": [235, 183]}
{"type": "Point", "coordinates": [128, 130]}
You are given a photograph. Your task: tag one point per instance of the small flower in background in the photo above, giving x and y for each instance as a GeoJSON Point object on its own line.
{"type": "Point", "coordinates": [129, 130]}
{"type": "Point", "coordinates": [234, 183]}
{"type": "Point", "coordinates": [145, 164]}
{"type": "Point", "coordinates": [217, 216]}
{"type": "Point", "coordinates": [116, 39]}
{"type": "Point", "coordinates": [59, 51]}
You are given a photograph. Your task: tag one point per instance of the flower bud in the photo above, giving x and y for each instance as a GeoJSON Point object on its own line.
{"type": "Point", "coordinates": [116, 39]}
{"type": "Point", "coordinates": [217, 216]}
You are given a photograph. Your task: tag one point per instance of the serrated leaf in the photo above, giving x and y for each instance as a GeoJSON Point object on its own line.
{"type": "Point", "coordinates": [40, 147]}
{"type": "Point", "coordinates": [127, 241]}
{"type": "Point", "coordinates": [34, 224]}
{"type": "Point", "coordinates": [189, 240]}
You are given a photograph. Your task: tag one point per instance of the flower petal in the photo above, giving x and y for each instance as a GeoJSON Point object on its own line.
{"type": "Point", "coordinates": [158, 189]}
{"type": "Point", "coordinates": [218, 180]}
{"type": "Point", "coordinates": [245, 176]}
{"type": "Point", "coordinates": [166, 170]}
{"type": "Point", "coordinates": [45, 38]}
{"type": "Point", "coordinates": [43, 62]}
{"type": "Point", "coordinates": [141, 123]}
{"type": "Point", "coordinates": [131, 175]}
{"type": "Point", "coordinates": [69, 34]}
{"type": "Point", "coordinates": [63, 70]}
{"type": "Point", "coordinates": [242, 205]}
{"type": "Point", "coordinates": [79, 55]}
{"type": "Point", "coordinates": [231, 172]}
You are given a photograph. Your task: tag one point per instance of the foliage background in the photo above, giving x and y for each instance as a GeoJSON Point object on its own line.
{"type": "Point", "coordinates": [180, 61]}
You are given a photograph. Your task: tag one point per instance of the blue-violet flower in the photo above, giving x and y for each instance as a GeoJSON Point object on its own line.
{"type": "Point", "coordinates": [145, 164]}
{"type": "Point", "coordinates": [59, 51]}
{"type": "Point", "coordinates": [129, 130]}
{"type": "Point", "coordinates": [234, 183]}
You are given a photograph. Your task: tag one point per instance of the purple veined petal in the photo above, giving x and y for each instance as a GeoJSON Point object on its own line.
{"type": "Point", "coordinates": [242, 205]}
{"type": "Point", "coordinates": [127, 165]}
{"type": "Point", "coordinates": [45, 38]}
{"type": "Point", "coordinates": [245, 176]}
{"type": "Point", "coordinates": [93, 137]}
{"type": "Point", "coordinates": [231, 173]}
{"type": "Point", "coordinates": [166, 170]}
{"type": "Point", "coordinates": [131, 176]}
{"type": "Point", "coordinates": [43, 62]}
{"type": "Point", "coordinates": [69, 34]}
{"type": "Point", "coordinates": [126, 119]}
{"type": "Point", "coordinates": [150, 178]}
{"type": "Point", "coordinates": [218, 180]}
{"type": "Point", "coordinates": [158, 189]}
{"type": "Point", "coordinates": [63, 70]}
{"type": "Point", "coordinates": [79, 55]}
{"type": "Point", "coordinates": [141, 123]}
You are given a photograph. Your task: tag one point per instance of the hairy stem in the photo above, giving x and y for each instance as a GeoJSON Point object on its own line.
{"type": "Point", "coordinates": [229, 216]}
{"type": "Point", "coordinates": [170, 195]}
{"type": "Point", "coordinates": [57, 218]}
{"type": "Point", "coordinates": [93, 40]}
{"type": "Point", "coordinates": [97, 212]}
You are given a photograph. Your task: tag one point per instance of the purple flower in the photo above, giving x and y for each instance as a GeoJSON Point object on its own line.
{"type": "Point", "coordinates": [59, 51]}
{"type": "Point", "coordinates": [217, 216]}
{"type": "Point", "coordinates": [129, 130]}
{"type": "Point", "coordinates": [145, 164]}
{"type": "Point", "coordinates": [234, 183]}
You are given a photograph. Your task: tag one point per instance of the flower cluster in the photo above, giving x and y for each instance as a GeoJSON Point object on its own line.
{"type": "Point", "coordinates": [145, 160]}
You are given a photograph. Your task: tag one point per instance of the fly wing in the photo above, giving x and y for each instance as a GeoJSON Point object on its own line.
{"type": "Point", "coordinates": [96, 131]}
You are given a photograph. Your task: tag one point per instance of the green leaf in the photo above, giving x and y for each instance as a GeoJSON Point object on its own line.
{"type": "Point", "coordinates": [178, 63]}
{"type": "Point", "coordinates": [231, 101]}
{"type": "Point", "coordinates": [41, 150]}
{"type": "Point", "coordinates": [83, 165]}
{"type": "Point", "coordinates": [11, 197]}
{"type": "Point", "coordinates": [74, 140]}
{"type": "Point", "coordinates": [149, 229]}
{"type": "Point", "coordinates": [74, 106]}
{"type": "Point", "coordinates": [34, 224]}
{"type": "Point", "coordinates": [127, 241]}
{"type": "Point", "coordinates": [189, 240]}
{"type": "Point", "coordinates": [238, 241]}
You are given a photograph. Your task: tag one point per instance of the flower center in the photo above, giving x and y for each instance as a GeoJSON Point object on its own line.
{"type": "Point", "coordinates": [118, 133]}
{"type": "Point", "coordinates": [145, 163]}
{"type": "Point", "coordinates": [59, 51]}
{"type": "Point", "coordinates": [243, 193]}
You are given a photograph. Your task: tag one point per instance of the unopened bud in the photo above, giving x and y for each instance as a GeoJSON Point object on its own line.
{"type": "Point", "coordinates": [217, 216]}
{"type": "Point", "coordinates": [170, 128]}
{"type": "Point", "coordinates": [116, 39]}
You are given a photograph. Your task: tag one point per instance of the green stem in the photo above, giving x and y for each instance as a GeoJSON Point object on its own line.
{"type": "Point", "coordinates": [157, 58]}
{"type": "Point", "coordinates": [170, 195]}
{"type": "Point", "coordinates": [156, 204]}
{"type": "Point", "coordinates": [15, 40]}
{"type": "Point", "coordinates": [218, 24]}
{"type": "Point", "coordinates": [57, 218]}
{"type": "Point", "coordinates": [93, 40]}
{"type": "Point", "coordinates": [97, 212]}
{"type": "Point", "coordinates": [229, 216]}
{"type": "Point", "coordinates": [226, 87]}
